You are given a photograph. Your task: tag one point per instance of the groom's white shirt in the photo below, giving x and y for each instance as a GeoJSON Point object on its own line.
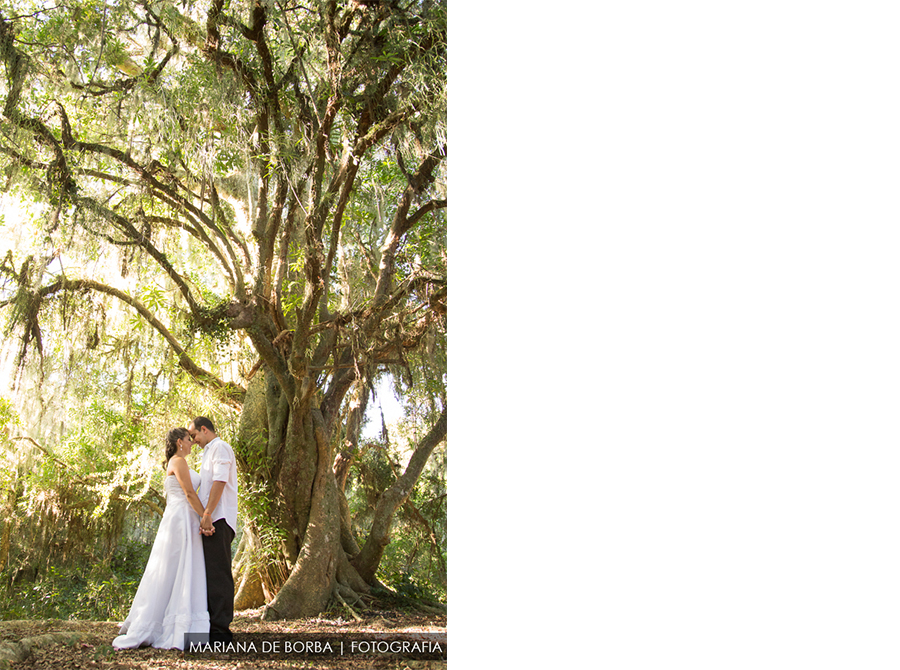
{"type": "Point", "coordinates": [218, 465]}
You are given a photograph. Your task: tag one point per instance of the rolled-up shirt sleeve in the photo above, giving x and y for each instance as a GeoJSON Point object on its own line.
{"type": "Point", "coordinates": [221, 465]}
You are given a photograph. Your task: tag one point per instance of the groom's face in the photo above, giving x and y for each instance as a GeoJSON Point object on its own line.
{"type": "Point", "coordinates": [200, 437]}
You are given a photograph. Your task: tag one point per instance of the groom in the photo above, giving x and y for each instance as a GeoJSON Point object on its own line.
{"type": "Point", "coordinates": [218, 492]}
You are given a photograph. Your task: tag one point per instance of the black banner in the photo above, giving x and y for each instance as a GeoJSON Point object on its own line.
{"type": "Point", "coordinates": [399, 646]}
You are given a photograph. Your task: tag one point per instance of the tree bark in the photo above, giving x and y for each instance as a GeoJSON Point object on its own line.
{"type": "Point", "coordinates": [313, 577]}
{"type": "Point", "coordinates": [247, 575]}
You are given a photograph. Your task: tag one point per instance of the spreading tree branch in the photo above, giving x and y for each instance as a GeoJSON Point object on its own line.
{"type": "Point", "coordinates": [403, 223]}
{"type": "Point", "coordinates": [229, 391]}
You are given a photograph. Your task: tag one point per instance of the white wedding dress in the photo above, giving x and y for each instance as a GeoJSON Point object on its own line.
{"type": "Point", "coordinates": [171, 598]}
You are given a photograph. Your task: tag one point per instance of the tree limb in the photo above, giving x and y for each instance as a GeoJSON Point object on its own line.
{"type": "Point", "coordinates": [231, 392]}
{"type": "Point", "coordinates": [402, 223]}
{"type": "Point", "coordinates": [368, 559]}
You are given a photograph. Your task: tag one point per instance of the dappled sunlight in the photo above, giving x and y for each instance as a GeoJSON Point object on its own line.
{"type": "Point", "coordinates": [238, 213]}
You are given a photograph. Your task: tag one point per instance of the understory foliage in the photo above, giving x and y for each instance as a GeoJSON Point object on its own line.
{"type": "Point", "coordinates": [79, 513]}
{"type": "Point", "coordinates": [415, 562]}
{"type": "Point", "coordinates": [234, 208]}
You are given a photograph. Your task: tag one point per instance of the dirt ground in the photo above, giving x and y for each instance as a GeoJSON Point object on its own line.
{"type": "Point", "coordinates": [87, 644]}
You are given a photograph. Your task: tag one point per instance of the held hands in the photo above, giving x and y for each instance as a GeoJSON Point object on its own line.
{"type": "Point", "coordinates": [206, 527]}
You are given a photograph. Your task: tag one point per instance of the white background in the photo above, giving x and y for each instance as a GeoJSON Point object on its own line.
{"type": "Point", "coordinates": [675, 335]}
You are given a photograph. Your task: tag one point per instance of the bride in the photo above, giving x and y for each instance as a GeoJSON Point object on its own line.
{"type": "Point", "coordinates": [171, 598]}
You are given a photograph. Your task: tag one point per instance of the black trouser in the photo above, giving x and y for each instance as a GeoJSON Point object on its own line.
{"type": "Point", "coordinates": [219, 582]}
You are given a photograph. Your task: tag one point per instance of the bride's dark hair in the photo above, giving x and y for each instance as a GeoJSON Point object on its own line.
{"type": "Point", "coordinates": [172, 443]}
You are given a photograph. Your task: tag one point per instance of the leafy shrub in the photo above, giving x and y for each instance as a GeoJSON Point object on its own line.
{"type": "Point", "coordinates": [103, 592]}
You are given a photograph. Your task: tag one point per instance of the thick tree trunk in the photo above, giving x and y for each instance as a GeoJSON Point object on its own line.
{"type": "Point", "coordinates": [287, 450]}
{"type": "Point", "coordinates": [248, 584]}
{"type": "Point", "coordinates": [257, 577]}
{"type": "Point", "coordinates": [314, 576]}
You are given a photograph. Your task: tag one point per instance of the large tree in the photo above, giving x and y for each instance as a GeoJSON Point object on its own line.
{"type": "Point", "coordinates": [279, 170]}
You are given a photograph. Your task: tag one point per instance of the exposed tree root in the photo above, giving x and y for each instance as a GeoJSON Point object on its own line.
{"type": "Point", "coordinates": [271, 614]}
{"type": "Point", "coordinates": [348, 576]}
{"type": "Point", "coordinates": [337, 594]}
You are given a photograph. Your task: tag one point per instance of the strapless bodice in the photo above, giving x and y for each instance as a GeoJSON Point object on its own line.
{"type": "Point", "coordinates": [173, 489]}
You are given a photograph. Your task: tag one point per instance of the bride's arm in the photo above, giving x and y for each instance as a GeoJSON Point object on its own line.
{"type": "Point", "coordinates": [183, 475]}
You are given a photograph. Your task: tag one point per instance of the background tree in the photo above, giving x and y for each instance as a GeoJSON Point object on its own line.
{"type": "Point", "coordinates": [268, 181]}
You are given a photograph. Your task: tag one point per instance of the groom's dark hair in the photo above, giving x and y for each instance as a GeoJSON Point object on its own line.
{"type": "Point", "coordinates": [203, 422]}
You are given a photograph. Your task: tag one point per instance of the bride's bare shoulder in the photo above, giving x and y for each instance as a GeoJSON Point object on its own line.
{"type": "Point", "coordinates": [175, 463]}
